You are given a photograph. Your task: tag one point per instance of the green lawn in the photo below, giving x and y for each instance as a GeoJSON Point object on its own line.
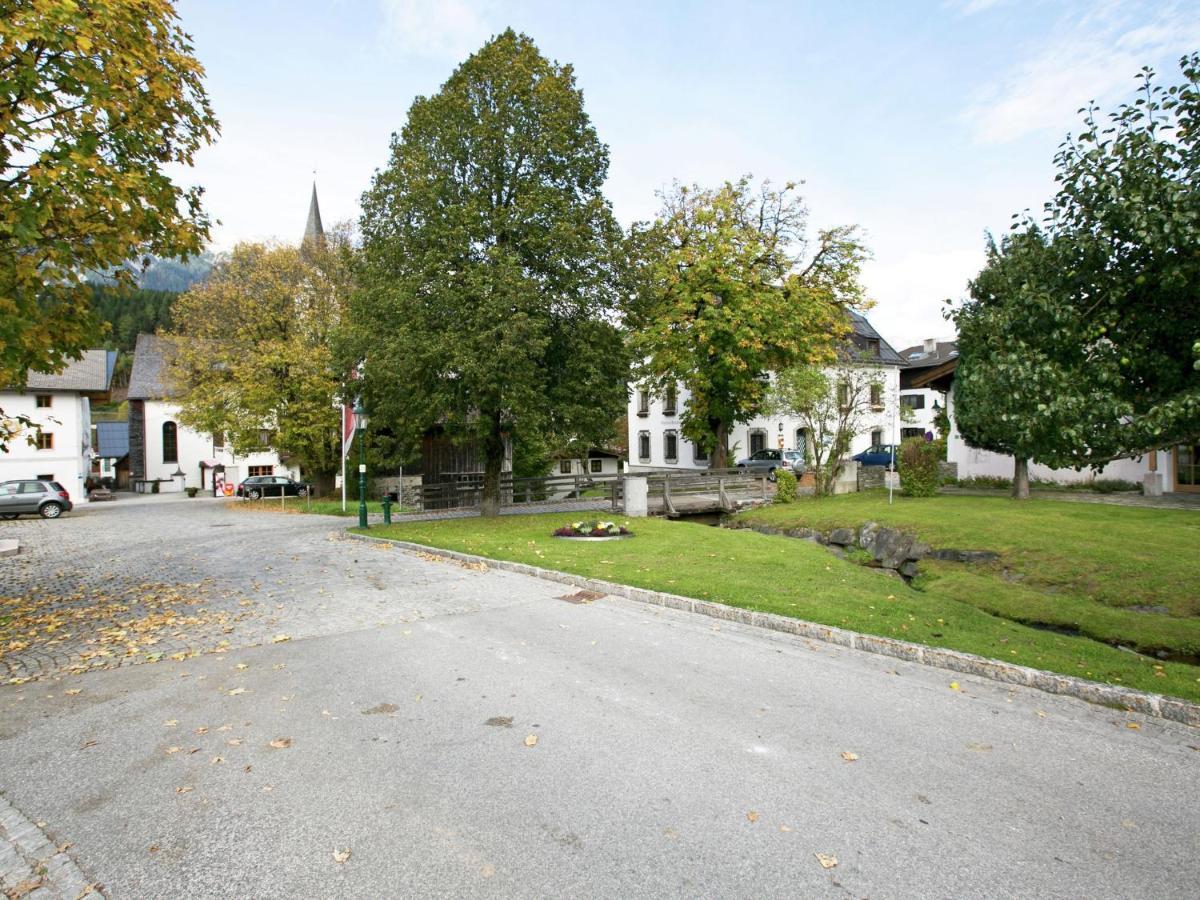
{"type": "Point", "coordinates": [304, 505]}
{"type": "Point", "coordinates": [798, 578]}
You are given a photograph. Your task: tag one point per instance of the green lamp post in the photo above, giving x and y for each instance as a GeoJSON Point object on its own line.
{"type": "Point", "coordinates": [360, 426]}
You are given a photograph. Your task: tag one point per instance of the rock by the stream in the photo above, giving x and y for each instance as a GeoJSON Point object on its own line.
{"type": "Point", "coordinates": [843, 537]}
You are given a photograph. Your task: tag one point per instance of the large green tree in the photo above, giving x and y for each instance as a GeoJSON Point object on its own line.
{"type": "Point", "coordinates": [1080, 343]}
{"type": "Point", "coordinates": [98, 98]}
{"type": "Point", "coordinates": [490, 265]}
{"type": "Point", "coordinates": [253, 351]}
{"type": "Point", "coordinates": [731, 288]}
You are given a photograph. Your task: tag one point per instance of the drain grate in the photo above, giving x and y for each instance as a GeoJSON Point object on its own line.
{"type": "Point", "coordinates": [580, 597]}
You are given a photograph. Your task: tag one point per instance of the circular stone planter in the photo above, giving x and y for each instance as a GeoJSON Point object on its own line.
{"type": "Point", "coordinates": [607, 537]}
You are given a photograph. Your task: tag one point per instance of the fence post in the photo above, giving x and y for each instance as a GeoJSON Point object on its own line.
{"type": "Point", "coordinates": [668, 506]}
{"type": "Point", "coordinates": [722, 497]}
{"type": "Point", "coordinates": [764, 487]}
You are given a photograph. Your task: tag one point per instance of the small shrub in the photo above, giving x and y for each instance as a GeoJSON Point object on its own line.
{"type": "Point", "coordinates": [918, 468]}
{"type": "Point", "coordinates": [986, 481]}
{"type": "Point", "coordinates": [785, 486]}
{"type": "Point", "coordinates": [1114, 485]}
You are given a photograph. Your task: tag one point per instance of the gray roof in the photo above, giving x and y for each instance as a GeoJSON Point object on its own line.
{"type": "Point", "coordinates": [313, 230]}
{"type": "Point", "coordinates": [151, 357]}
{"type": "Point", "coordinates": [112, 439]}
{"type": "Point", "coordinates": [918, 357]}
{"type": "Point", "coordinates": [92, 373]}
{"type": "Point", "coordinates": [865, 331]}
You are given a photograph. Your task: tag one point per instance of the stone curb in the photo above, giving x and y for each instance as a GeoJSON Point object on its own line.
{"type": "Point", "coordinates": [954, 660]}
{"type": "Point", "coordinates": [10, 547]}
{"type": "Point", "coordinates": [29, 855]}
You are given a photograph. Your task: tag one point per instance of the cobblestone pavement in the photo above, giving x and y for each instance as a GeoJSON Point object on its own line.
{"type": "Point", "coordinates": [32, 866]}
{"type": "Point", "coordinates": [165, 578]}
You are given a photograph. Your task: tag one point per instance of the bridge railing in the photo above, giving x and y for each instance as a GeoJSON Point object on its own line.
{"type": "Point", "coordinates": [723, 486]}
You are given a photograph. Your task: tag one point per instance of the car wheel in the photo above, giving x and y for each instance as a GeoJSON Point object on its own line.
{"type": "Point", "coordinates": [51, 510]}
{"type": "Point", "coordinates": [9, 515]}
{"type": "Point", "coordinates": [302, 491]}
{"type": "Point", "coordinates": [254, 493]}
{"type": "Point", "coordinates": [771, 475]}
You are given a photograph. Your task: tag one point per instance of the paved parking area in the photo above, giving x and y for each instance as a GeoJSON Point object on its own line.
{"type": "Point", "coordinates": [148, 578]}
{"type": "Point", "coordinates": [434, 730]}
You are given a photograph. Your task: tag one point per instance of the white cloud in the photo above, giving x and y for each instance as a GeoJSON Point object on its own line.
{"type": "Point", "coordinates": [437, 28]}
{"type": "Point", "coordinates": [1095, 57]}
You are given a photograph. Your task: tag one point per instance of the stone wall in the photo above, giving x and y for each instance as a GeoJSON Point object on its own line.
{"type": "Point", "coordinates": [871, 477]}
{"type": "Point", "coordinates": [408, 489]}
{"type": "Point", "coordinates": [947, 471]}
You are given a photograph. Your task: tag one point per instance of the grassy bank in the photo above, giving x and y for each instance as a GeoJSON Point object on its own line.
{"type": "Point", "coordinates": [305, 505]}
{"type": "Point", "coordinates": [797, 578]}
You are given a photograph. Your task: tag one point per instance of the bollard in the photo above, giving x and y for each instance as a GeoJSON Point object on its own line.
{"type": "Point", "coordinates": [387, 510]}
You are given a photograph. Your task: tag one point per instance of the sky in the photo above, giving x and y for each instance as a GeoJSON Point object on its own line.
{"type": "Point", "coordinates": [927, 124]}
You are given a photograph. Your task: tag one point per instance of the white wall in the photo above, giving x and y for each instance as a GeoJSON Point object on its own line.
{"type": "Point", "coordinates": [657, 423]}
{"type": "Point", "coordinates": [68, 418]}
{"type": "Point", "coordinates": [975, 463]}
{"type": "Point", "coordinates": [923, 418]}
{"type": "Point", "coordinates": [194, 446]}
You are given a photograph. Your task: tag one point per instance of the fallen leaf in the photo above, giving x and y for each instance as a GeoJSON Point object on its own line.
{"type": "Point", "coordinates": [1041, 714]}
{"type": "Point", "coordinates": [154, 848]}
{"type": "Point", "coordinates": [171, 723]}
{"type": "Point", "coordinates": [217, 760]}
{"type": "Point", "coordinates": [171, 750]}
{"type": "Point", "coordinates": [236, 691]}
{"type": "Point", "coordinates": [87, 744]}
{"type": "Point", "coordinates": [531, 740]}
{"type": "Point", "coordinates": [954, 686]}
{"type": "Point", "coordinates": [752, 816]}
{"type": "Point", "coordinates": [280, 638]}
{"type": "Point", "coordinates": [241, 666]}
{"type": "Point", "coordinates": [1134, 725]}
{"type": "Point", "coordinates": [849, 756]}
{"type": "Point", "coordinates": [72, 692]}
{"type": "Point", "coordinates": [183, 790]}
{"type": "Point", "coordinates": [203, 729]}
{"type": "Point", "coordinates": [225, 728]}
{"type": "Point", "coordinates": [827, 860]}
{"type": "Point", "coordinates": [281, 743]}
{"type": "Point", "coordinates": [979, 747]}
{"type": "Point", "coordinates": [340, 856]}
{"type": "Point", "coordinates": [234, 742]}
{"type": "Point", "coordinates": [784, 828]}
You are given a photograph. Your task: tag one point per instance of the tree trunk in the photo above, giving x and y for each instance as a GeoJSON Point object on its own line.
{"type": "Point", "coordinates": [720, 455]}
{"type": "Point", "coordinates": [1021, 480]}
{"type": "Point", "coordinates": [493, 466]}
{"type": "Point", "coordinates": [323, 484]}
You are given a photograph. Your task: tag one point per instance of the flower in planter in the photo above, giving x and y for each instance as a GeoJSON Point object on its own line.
{"type": "Point", "coordinates": [591, 529]}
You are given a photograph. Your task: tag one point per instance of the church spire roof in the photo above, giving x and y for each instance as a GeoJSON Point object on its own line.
{"type": "Point", "coordinates": [313, 230]}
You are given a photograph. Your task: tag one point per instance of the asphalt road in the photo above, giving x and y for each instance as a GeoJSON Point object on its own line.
{"type": "Point", "coordinates": [674, 756]}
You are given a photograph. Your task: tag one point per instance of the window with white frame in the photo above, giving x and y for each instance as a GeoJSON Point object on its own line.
{"type": "Point", "coordinates": [758, 440]}
{"type": "Point", "coordinates": [876, 396]}
{"type": "Point", "coordinates": [595, 466]}
{"type": "Point", "coordinates": [564, 467]}
{"type": "Point", "coordinates": [670, 400]}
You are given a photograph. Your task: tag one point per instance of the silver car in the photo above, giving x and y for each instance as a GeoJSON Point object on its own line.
{"type": "Point", "coordinates": [770, 460]}
{"type": "Point", "coordinates": [48, 499]}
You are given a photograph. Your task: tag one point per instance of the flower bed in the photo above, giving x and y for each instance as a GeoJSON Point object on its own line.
{"type": "Point", "coordinates": [593, 531]}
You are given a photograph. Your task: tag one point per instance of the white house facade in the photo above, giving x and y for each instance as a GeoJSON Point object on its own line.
{"type": "Point", "coordinates": [1168, 469]}
{"type": "Point", "coordinates": [60, 405]}
{"type": "Point", "coordinates": [165, 455]}
{"type": "Point", "coordinates": [656, 438]}
{"type": "Point", "coordinates": [920, 406]}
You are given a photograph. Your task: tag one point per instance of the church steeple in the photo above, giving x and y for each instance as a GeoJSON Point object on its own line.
{"type": "Point", "coordinates": [313, 230]}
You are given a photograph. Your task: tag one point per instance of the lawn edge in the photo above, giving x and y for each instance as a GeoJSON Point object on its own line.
{"type": "Point", "coordinates": [1170, 708]}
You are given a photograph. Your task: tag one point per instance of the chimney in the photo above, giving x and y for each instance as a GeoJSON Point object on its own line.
{"type": "Point", "coordinates": [930, 344]}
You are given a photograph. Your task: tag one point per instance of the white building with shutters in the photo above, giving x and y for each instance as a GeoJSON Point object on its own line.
{"type": "Point", "coordinates": [656, 438]}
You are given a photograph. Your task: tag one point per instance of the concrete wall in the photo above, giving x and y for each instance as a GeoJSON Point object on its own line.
{"type": "Point", "coordinates": [975, 463]}
{"type": "Point", "coordinates": [68, 419]}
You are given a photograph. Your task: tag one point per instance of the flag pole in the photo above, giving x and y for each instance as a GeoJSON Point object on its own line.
{"type": "Point", "coordinates": [341, 434]}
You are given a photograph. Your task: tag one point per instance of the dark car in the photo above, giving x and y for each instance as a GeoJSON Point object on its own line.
{"type": "Point", "coordinates": [879, 455]}
{"type": "Point", "coordinates": [48, 499]}
{"type": "Point", "coordinates": [770, 460]}
{"type": "Point", "coordinates": [272, 486]}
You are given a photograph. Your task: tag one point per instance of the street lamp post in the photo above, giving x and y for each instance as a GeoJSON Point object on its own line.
{"type": "Point", "coordinates": [360, 425]}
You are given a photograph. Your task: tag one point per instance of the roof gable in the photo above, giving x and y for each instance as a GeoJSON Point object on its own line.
{"type": "Point", "coordinates": [89, 374]}
{"type": "Point", "coordinates": [148, 380]}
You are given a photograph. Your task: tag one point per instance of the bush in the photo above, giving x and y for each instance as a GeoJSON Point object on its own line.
{"type": "Point", "coordinates": [918, 468]}
{"type": "Point", "coordinates": [986, 481]}
{"type": "Point", "coordinates": [785, 486]}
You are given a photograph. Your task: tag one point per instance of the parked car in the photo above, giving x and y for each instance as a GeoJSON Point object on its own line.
{"type": "Point", "coordinates": [770, 460]}
{"type": "Point", "coordinates": [48, 499]}
{"type": "Point", "coordinates": [257, 486]}
{"type": "Point", "coordinates": [879, 455]}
